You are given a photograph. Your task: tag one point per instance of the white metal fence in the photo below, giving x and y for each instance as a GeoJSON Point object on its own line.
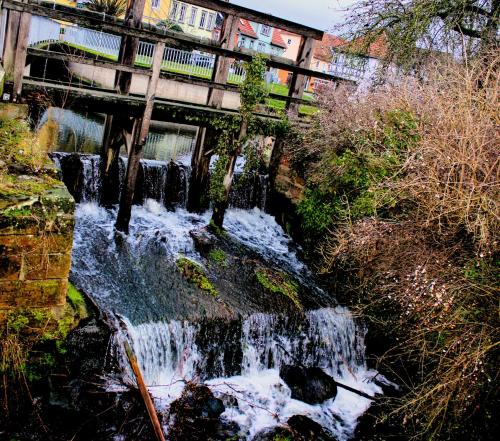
{"type": "Point", "coordinates": [43, 31]}
{"type": "Point", "coordinates": [46, 31]}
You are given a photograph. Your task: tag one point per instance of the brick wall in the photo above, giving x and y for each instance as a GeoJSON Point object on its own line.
{"type": "Point", "coordinates": [36, 236]}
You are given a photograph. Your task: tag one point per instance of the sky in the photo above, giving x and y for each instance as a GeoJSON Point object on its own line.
{"type": "Point", "coordinates": [320, 14]}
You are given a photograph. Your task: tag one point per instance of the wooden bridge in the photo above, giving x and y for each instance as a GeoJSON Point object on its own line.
{"type": "Point", "coordinates": [123, 99]}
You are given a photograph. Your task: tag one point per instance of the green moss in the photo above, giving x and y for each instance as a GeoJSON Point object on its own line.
{"type": "Point", "coordinates": [215, 229]}
{"type": "Point", "coordinates": [218, 256]}
{"type": "Point", "coordinates": [195, 274]}
{"type": "Point", "coordinates": [278, 282]}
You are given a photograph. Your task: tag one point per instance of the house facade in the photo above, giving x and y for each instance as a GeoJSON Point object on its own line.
{"type": "Point", "coordinates": [193, 20]}
{"type": "Point", "coordinates": [261, 38]}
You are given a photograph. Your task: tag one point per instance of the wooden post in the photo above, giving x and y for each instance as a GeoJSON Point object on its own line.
{"type": "Point", "coordinates": [205, 139]}
{"type": "Point", "coordinates": [223, 64]}
{"type": "Point", "coordinates": [21, 53]}
{"type": "Point", "coordinates": [298, 83]}
{"type": "Point", "coordinates": [139, 137]}
{"type": "Point", "coordinates": [144, 392]}
{"type": "Point", "coordinates": [9, 51]}
{"type": "Point", "coordinates": [118, 128]}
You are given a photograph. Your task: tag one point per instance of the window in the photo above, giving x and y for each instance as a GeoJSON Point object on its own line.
{"type": "Point", "coordinates": [261, 47]}
{"type": "Point", "coordinates": [211, 22]}
{"type": "Point", "coordinates": [289, 41]}
{"type": "Point", "coordinates": [266, 30]}
{"type": "Point", "coordinates": [173, 11]}
{"type": "Point", "coordinates": [182, 13]}
{"type": "Point", "coordinates": [251, 44]}
{"type": "Point", "coordinates": [155, 4]}
{"type": "Point", "coordinates": [203, 19]}
{"type": "Point", "coordinates": [192, 17]}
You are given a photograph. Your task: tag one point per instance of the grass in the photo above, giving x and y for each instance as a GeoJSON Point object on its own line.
{"type": "Point", "coordinates": [218, 256]}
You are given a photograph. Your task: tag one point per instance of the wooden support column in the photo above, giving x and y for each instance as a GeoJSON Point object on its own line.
{"type": "Point", "coordinates": [205, 139]}
{"type": "Point", "coordinates": [299, 81]}
{"type": "Point", "coordinates": [118, 128]}
{"type": "Point", "coordinates": [223, 64]}
{"type": "Point", "coordinates": [9, 51]}
{"type": "Point", "coordinates": [21, 53]}
{"type": "Point", "coordinates": [140, 134]}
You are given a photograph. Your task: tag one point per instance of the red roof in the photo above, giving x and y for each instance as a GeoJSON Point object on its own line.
{"type": "Point", "coordinates": [245, 28]}
{"type": "Point", "coordinates": [323, 48]}
{"type": "Point", "coordinates": [277, 39]}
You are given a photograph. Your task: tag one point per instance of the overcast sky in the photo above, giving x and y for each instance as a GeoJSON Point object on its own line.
{"type": "Point", "coordinates": [321, 14]}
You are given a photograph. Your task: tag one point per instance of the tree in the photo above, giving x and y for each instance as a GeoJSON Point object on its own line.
{"type": "Point", "coordinates": [108, 7]}
{"type": "Point", "coordinates": [168, 25]}
{"type": "Point", "coordinates": [236, 135]}
{"type": "Point", "coordinates": [411, 25]}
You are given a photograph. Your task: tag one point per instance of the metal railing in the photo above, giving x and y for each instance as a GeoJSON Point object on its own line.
{"type": "Point", "coordinates": [44, 31]}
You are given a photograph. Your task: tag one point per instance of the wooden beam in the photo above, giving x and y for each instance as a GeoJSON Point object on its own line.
{"type": "Point", "coordinates": [21, 53]}
{"type": "Point", "coordinates": [298, 83]}
{"type": "Point", "coordinates": [140, 136]}
{"type": "Point", "coordinates": [223, 64]}
{"type": "Point", "coordinates": [172, 39]}
{"type": "Point", "coordinates": [9, 52]}
{"type": "Point", "coordinates": [97, 62]}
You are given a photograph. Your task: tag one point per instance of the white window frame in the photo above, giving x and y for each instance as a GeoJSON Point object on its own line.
{"type": "Point", "coordinates": [182, 13]}
{"type": "Point", "coordinates": [174, 10]}
{"type": "Point", "coordinates": [155, 4]}
{"type": "Point", "coordinates": [265, 30]}
{"type": "Point", "coordinates": [192, 16]}
{"type": "Point", "coordinates": [211, 21]}
{"type": "Point", "coordinates": [203, 19]}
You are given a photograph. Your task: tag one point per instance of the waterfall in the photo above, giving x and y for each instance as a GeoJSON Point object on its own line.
{"type": "Point", "coordinates": [166, 183]}
{"type": "Point", "coordinates": [179, 334]}
{"type": "Point", "coordinates": [171, 353]}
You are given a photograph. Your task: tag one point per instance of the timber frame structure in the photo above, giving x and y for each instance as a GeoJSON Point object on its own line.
{"type": "Point", "coordinates": [140, 109]}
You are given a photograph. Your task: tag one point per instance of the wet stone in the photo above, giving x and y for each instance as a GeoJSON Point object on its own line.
{"type": "Point", "coordinates": [311, 385]}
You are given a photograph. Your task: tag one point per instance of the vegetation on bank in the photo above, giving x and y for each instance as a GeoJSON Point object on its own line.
{"type": "Point", "coordinates": [403, 199]}
{"type": "Point", "coordinates": [25, 169]}
{"type": "Point", "coordinates": [31, 340]}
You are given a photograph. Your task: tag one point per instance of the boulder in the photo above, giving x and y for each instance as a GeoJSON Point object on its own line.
{"type": "Point", "coordinates": [308, 429]}
{"type": "Point", "coordinates": [195, 415]}
{"type": "Point", "coordinates": [310, 385]}
{"type": "Point", "coordinates": [280, 433]}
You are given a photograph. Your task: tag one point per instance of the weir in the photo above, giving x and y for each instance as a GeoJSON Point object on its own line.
{"type": "Point", "coordinates": [225, 309]}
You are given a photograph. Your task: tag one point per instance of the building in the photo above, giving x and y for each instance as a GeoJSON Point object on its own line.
{"type": "Point", "coordinates": [323, 54]}
{"type": "Point", "coordinates": [292, 43]}
{"type": "Point", "coordinates": [261, 38]}
{"type": "Point", "coordinates": [193, 20]}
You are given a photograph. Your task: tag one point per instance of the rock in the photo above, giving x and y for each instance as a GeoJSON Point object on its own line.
{"type": "Point", "coordinates": [195, 415]}
{"type": "Point", "coordinates": [2, 164]}
{"type": "Point", "coordinates": [19, 169]}
{"type": "Point", "coordinates": [308, 429]}
{"type": "Point", "coordinates": [278, 433]}
{"type": "Point", "coordinates": [311, 385]}
{"type": "Point", "coordinates": [203, 239]}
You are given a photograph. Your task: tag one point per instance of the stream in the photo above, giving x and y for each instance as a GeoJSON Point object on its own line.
{"type": "Point", "coordinates": [235, 343]}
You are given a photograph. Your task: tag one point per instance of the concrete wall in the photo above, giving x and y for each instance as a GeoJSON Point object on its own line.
{"type": "Point", "coordinates": [168, 89]}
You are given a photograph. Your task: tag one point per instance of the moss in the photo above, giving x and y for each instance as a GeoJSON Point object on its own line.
{"type": "Point", "coordinates": [195, 274]}
{"type": "Point", "coordinates": [218, 256]}
{"type": "Point", "coordinates": [218, 231]}
{"type": "Point", "coordinates": [277, 282]}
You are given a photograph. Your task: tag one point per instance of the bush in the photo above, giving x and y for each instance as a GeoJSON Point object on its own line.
{"type": "Point", "coordinates": [404, 195]}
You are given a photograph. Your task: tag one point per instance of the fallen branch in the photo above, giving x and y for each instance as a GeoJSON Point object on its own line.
{"type": "Point", "coordinates": [144, 392]}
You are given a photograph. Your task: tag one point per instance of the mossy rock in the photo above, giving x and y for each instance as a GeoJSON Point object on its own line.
{"type": "Point", "coordinates": [195, 274]}
{"type": "Point", "coordinates": [218, 256]}
{"type": "Point", "coordinates": [278, 282]}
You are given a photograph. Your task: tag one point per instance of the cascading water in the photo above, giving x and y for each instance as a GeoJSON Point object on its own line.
{"type": "Point", "coordinates": [229, 343]}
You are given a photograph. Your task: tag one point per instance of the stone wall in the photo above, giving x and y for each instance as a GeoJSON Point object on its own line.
{"type": "Point", "coordinates": [36, 236]}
